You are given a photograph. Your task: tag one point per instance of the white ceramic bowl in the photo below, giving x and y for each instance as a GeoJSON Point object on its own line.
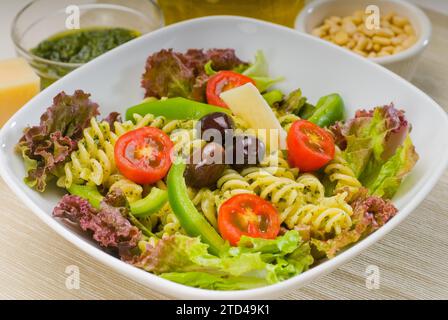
{"type": "Point", "coordinates": [403, 63]}
{"type": "Point", "coordinates": [306, 62]}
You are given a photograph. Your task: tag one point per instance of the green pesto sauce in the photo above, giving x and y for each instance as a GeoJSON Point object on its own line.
{"type": "Point", "coordinates": [83, 45]}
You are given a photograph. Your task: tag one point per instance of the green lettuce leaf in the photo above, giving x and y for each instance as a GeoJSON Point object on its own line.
{"type": "Point", "coordinates": [377, 147]}
{"type": "Point", "coordinates": [210, 281]}
{"type": "Point", "coordinates": [259, 72]}
{"type": "Point", "coordinates": [264, 83]}
{"type": "Point", "coordinates": [259, 68]}
{"type": "Point", "coordinates": [254, 262]}
{"type": "Point", "coordinates": [394, 170]}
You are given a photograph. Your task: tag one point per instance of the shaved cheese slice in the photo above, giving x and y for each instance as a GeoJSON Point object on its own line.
{"type": "Point", "coordinates": [247, 103]}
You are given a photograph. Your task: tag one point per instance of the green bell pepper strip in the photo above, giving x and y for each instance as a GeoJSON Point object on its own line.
{"type": "Point", "coordinates": [174, 109]}
{"type": "Point", "coordinates": [329, 109]}
{"type": "Point", "coordinates": [152, 203]}
{"type": "Point", "coordinates": [273, 96]}
{"type": "Point", "coordinates": [90, 193]}
{"type": "Point", "coordinates": [190, 219]}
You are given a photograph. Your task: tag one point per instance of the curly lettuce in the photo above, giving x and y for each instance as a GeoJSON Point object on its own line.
{"type": "Point", "coordinates": [49, 144]}
{"type": "Point", "coordinates": [253, 263]}
{"type": "Point", "coordinates": [108, 225]}
{"type": "Point", "coordinates": [175, 74]}
{"type": "Point", "coordinates": [378, 148]}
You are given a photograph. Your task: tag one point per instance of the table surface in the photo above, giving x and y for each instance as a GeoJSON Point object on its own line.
{"type": "Point", "coordinates": [412, 259]}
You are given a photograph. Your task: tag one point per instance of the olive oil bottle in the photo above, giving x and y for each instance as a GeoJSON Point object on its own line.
{"type": "Point", "coordinates": [278, 11]}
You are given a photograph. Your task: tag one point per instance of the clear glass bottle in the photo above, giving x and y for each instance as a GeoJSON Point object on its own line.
{"type": "Point", "coordinates": [278, 11]}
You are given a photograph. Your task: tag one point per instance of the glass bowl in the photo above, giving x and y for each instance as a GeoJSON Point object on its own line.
{"type": "Point", "coordinates": [41, 19]}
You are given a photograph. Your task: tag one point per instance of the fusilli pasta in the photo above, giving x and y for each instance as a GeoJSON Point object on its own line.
{"type": "Point", "coordinates": [329, 215]}
{"type": "Point", "coordinates": [339, 172]}
{"type": "Point", "coordinates": [206, 201]}
{"type": "Point", "coordinates": [93, 162]}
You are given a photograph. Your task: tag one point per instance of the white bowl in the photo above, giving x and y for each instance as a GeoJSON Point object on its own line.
{"type": "Point", "coordinates": [306, 62]}
{"type": "Point", "coordinates": [403, 63]}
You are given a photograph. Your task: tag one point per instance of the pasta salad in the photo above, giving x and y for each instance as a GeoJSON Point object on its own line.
{"type": "Point", "coordinates": [217, 179]}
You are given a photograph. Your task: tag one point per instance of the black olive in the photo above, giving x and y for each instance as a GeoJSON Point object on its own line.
{"type": "Point", "coordinates": [216, 127]}
{"type": "Point", "coordinates": [205, 166]}
{"type": "Point", "coordinates": [246, 150]}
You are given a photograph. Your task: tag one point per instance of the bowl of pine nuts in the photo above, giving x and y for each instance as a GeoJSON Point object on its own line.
{"type": "Point", "coordinates": [392, 33]}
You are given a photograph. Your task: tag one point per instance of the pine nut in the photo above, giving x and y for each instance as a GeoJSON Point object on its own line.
{"type": "Point", "coordinates": [395, 35]}
{"type": "Point", "coordinates": [400, 21]}
{"type": "Point", "coordinates": [381, 40]}
{"type": "Point", "coordinates": [385, 32]}
{"type": "Point", "coordinates": [341, 38]}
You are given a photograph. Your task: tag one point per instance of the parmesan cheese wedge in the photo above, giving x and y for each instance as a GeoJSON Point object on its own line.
{"type": "Point", "coordinates": [18, 84]}
{"type": "Point", "coordinates": [247, 103]}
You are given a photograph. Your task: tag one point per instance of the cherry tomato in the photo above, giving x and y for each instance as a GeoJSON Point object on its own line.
{"type": "Point", "coordinates": [223, 81]}
{"type": "Point", "coordinates": [309, 146]}
{"type": "Point", "coordinates": [144, 155]}
{"type": "Point", "coordinates": [250, 215]}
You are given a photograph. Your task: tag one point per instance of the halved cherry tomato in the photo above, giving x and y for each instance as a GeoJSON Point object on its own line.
{"type": "Point", "coordinates": [309, 146]}
{"type": "Point", "coordinates": [250, 215]}
{"type": "Point", "coordinates": [144, 155]}
{"type": "Point", "coordinates": [223, 81]}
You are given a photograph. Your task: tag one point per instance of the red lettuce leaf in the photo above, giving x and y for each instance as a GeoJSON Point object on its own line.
{"type": "Point", "coordinates": [112, 118]}
{"type": "Point", "coordinates": [49, 144]}
{"type": "Point", "coordinates": [174, 74]}
{"type": "Point", "coordinates": [108, 225]}
{"type": "Point", "coordinates": [369, 214]}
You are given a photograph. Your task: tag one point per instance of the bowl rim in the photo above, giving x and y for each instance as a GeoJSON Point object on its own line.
{"type": "Point", "coordinates": [69, 65]}
{"type": "Point", "coordinates": [173, 289]}
{"type": "Point", "coordinates": [417, 48]}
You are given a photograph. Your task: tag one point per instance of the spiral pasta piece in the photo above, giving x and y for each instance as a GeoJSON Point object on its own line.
{"type": "Point", "coordinates": [231, 183]}
{"type": "Point", "coordinates": [131, 190]}
{"type": "Point", "coordinates": [93, 162]}
{"type": "Point", "coordinates": [328, 217]}
{"type": "Point", "coordinates": [206, 201]}
{"type": "Point", "coordinates": [301, 201]}
{"type": "Point", "coordinates": [185, 142]}
{"type": "Point", "coordinates": [282, 192]}
{"type": "Point", "coordinates": [338, 171]}
{"type": "Point", "coordinates": [277, 165]}
{"type": "Point", "coordinates": [312, 188]}
{"type": "Point", "coordinates": [168, 222]}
